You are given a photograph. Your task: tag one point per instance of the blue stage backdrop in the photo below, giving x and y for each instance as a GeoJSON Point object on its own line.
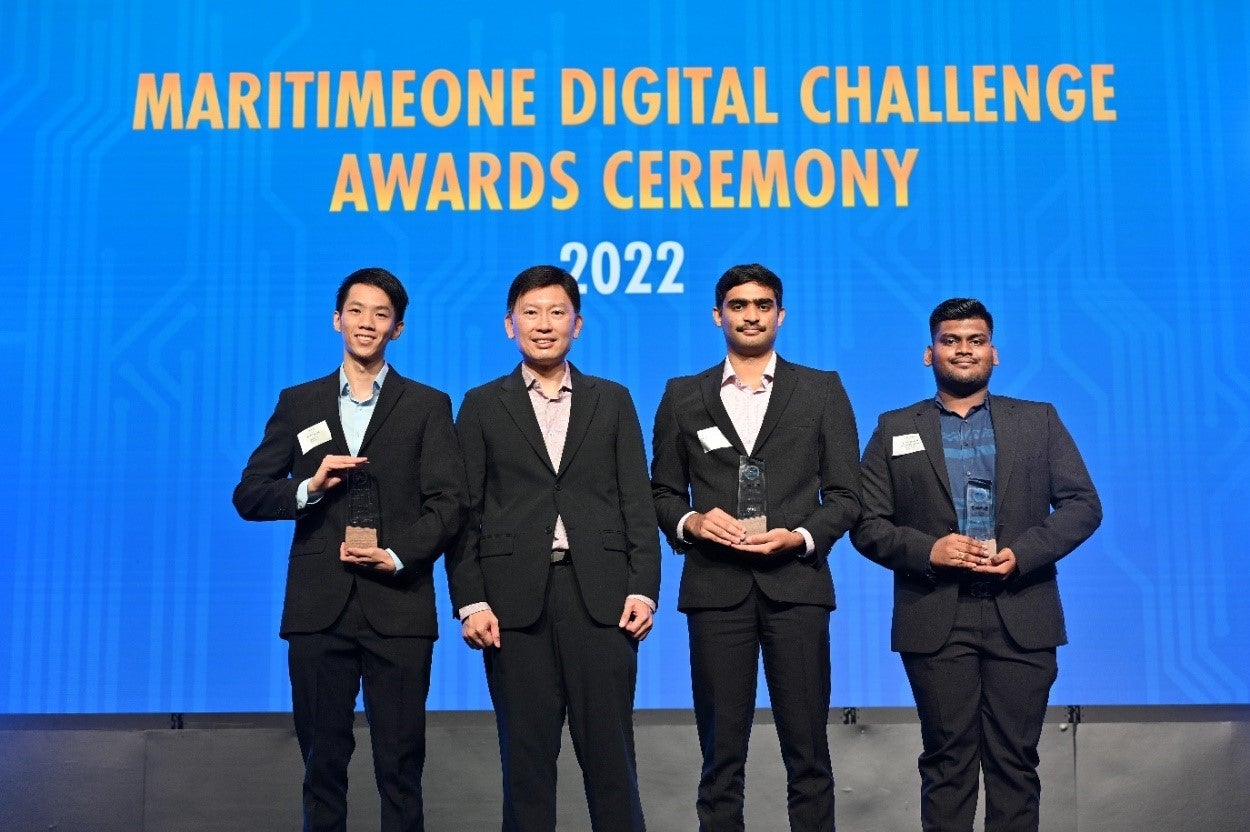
{"type": "Point", "coordinates": [188, 183]}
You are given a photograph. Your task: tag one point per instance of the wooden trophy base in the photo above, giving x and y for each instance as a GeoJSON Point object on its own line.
{"type": "Point", "coordinates": [754, 525]}
{"type": "Point", "coordinates": [361, 537]}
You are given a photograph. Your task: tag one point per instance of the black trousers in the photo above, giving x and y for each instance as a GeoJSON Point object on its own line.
{"type": "Point", "coordinates": [566, 663]}
{"type": "Point", "coordinates": [981, 700]}
{"type": "Point", "coordinates": [326, 671]}
{"type": "Point", "coordinates": [725, 645]}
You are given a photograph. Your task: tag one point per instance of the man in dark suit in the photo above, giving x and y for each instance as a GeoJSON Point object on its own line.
{"type": "Point", "coordinates": [772, 589]}
{"type": "Point", "coordinates": [557, 573]}
{"type": "Point", "coordinates": [365, 608]}
{"type": "Point", "coordinates": [971, 500]}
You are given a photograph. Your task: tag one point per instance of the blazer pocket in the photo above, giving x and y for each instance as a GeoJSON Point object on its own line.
{"type": "Point", "coordinates": [493, 545]}
{"type": "Point", "coordinates": [613, 541]}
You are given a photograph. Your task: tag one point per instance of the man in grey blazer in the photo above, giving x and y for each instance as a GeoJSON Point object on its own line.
{"type": "Point", "coordinates": [557, 573]}
{"type": "Point", "coordinates": [360, 608]}
{"type": "Point", "coordinates": [747, 591]}
{"type": "Point", "coordinates": [971, 499]}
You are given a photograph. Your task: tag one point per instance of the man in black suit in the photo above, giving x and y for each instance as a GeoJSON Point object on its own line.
{"type": "Point", "coordinates": [557, 573]}
{"type": "Point", "coordinates": [971, 499]}
{"type": "Point", "coordinates": [363, 609]}
{"type": "Point", "coordinates": [771, 589]}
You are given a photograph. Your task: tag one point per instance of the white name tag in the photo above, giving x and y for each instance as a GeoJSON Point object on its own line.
{"type": "Point", "coordinates": [309, 438]}
{"type": "Point", "coordinates": [908, 443]}
{"type": "Point", "coordinates": [711, 439]}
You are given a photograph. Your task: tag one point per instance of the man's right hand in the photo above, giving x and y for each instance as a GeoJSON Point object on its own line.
{"type": "Point", "coordinates": [481, 629]}
{"type": "Point", "coordinates": [717, 526]}
{"type": "Point", "coordinates": [332, 471]}
{"type": "Point", "coordinates": [958, 551]}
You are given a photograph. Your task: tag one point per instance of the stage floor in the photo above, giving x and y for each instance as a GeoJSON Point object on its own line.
{"type": "Point", "coordinates": [1176, 769]}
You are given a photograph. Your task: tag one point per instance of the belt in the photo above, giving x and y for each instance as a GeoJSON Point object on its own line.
{"type": "Point", "coordinates": [559, 556]}
{"type": "Point", "coordinates": [980, 589]}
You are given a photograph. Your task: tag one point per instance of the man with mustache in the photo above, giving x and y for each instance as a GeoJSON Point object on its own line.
{"type": "Point", "coordinates": [758, 425]}
{"type": "Point", "coordinates": [971, 499]}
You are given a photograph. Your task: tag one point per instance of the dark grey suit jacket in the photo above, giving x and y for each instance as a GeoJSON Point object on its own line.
{"type": "Point", "coordinates": [413, 457]}
{"type": "Point", "coordinates": [601, 491]}
{"type": "Point", "coordinates": [1045, 506]}
{"type": "Point", "coordinates": [810, 449]}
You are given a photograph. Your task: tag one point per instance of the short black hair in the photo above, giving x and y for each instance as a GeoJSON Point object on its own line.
{"type": "Point", "coordinates": [748, 273]}
{"type": "Point", "coordinates": [959, 309]}
{"type": "Point", "coordinates": [382, 279]}
{"type": "Point", "coordinates": [539, 277]}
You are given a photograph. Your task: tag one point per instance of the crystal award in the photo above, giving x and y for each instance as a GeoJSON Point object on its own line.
{"type": "Point", "coordinates": [751, 503]}
{"type": "Point", "coordinates": [363, 516]}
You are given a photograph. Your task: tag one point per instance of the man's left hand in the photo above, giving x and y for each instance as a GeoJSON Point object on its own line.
{"type": "Point", "coordinates": [636, 619]}
{"type": "Point", "coordinates": [772, 542]}
{"type": "Point", "coordinates": [1002, 563]}
{"type": "Point", "coordinates": [368, 557]}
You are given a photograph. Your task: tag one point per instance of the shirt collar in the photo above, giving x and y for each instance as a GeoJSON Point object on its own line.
{"type": "Point", "coordinates": [345, 386]}
{"type": "Point", "coordinates": [531, 379]}
{"type": "Point", "coordinates": [937, 399]}
{"type": "Point", "coordinates": [728, 375]}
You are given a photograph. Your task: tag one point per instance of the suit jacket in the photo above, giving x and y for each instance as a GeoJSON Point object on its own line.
{"type": "Point", "coordinates": [810, 449]}
{"type": "Point", "coordinates": [415, 463]}
{"type": "Point", "coordinates": [1045, 506]}
{"type": "Point", "coordinates": [504, 555]}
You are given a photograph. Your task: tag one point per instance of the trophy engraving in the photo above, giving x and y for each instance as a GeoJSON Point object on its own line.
{"type": "Point", "coordinates": [752, 507]}
{"type": "Point", "coordinates": [363, 516]}
{"type": "Point", "coordinates": [979, 513]}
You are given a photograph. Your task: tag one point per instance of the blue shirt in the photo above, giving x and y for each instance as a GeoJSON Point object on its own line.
{"type": "Point", "coordinates": [968, 445]}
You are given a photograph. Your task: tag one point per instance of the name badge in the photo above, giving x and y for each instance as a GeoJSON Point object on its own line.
{"type": "Point", "coordinates": [908, 443]}
{"type": "Point", "coordinates": [712, 438]}
{"type": "Point", "coordinates": [309, 438]}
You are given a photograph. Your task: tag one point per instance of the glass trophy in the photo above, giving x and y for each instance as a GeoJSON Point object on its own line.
{"type": "Point", "coordinates": [363, 516]}
{"type": "Point", "coordinates": [751, 503]}
{"type": "Point", "coordinates": [979, 508]}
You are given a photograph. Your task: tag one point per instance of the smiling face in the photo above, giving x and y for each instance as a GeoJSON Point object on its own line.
{"type": "Point", "coordinates": [749, 316]}
{"type": "Point", "coordinates": [367, 323]}
{"type": "Point", "coordinates": [962, 356]}
{"type": "Point", "coordinates": [543, 323]}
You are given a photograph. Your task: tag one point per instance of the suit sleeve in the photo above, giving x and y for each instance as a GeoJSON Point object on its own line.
{"type": "Point", "coordinates": [266, 490]}
{"type": "Point", "coordinates": [876, 536]}
{"type": "Point", "coordinates": [670, 471]}
{"type": "Point", "coordinates": [637, 509]}
{"type": "Point", "coordinates": [440, 481]}
{"type": "Point", "coordinates": [839, 469]}
{"type": "Point", "coordinates": [1077, 509]}
{"type": "Point", "coordinates": [464, 574]}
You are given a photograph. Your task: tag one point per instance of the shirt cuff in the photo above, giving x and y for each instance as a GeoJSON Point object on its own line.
{"type": "Point", "coordinates": [466, 611]}
{"type": "Point", "coordinates": [681, 527]}
{"type": "Point", "coordinates": [644, 599]}
{"type": "Point", "coordinates": [302, 499]}
{"type": "Point", "coordinates": [810, 552]}
{"type": "Point", "coordinates": [399, 564]}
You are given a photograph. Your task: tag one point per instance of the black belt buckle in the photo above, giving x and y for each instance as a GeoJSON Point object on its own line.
{"type": "Point", "coordinates": [559, 556]}
{"type": "Point", "coordinates": [981, 589]}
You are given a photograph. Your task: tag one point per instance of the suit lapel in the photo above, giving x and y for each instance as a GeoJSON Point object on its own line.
{"type": "Point", "coordinates": [328, 404]}
{"type": "Point", "coordinates": [1004, 417]}
{"type": "Point", "coordinates": [515, 399]}
{"type": "Point", "coordinates": [709, 383]}
{"type": "Point", "coordinates": [929, 426]}
{"type": "Point", "coordinates": [784, 381]}
{"type": "Point", "coordinates": [390, 394]}
{"type": "Point", "coordinates": [585, 402]}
